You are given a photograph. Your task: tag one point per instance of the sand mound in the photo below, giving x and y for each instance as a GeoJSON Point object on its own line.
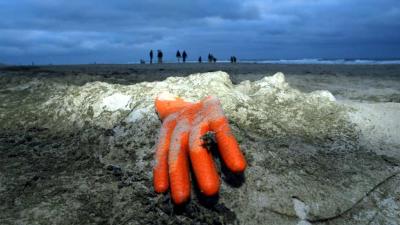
{"type": "Point", "coordinates": [268, 107]}
{"type": "Point", "coordinates": [306, 162]}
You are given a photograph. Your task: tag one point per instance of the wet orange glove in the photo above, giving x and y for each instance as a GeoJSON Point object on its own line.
{"type": "Point", "coordinates": [181, 135]}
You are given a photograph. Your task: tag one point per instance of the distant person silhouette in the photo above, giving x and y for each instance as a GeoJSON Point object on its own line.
{"type": "Point", "coordinates": [178, 56]}
{"type": "Point", "coordinates": [233, 59]}
{"type": "Point", "coordinates": [184, 56]}
{"type": "Point", "coordinates": [151, 56]}
{"type": "Point", "coordinates": [159, 56]}
{"type": "Point", "coordinates": [214, 60]}
{"type": "Point", "coordinates": [210, 58]}
{"type": "Point", "coordinates": [199, 59]}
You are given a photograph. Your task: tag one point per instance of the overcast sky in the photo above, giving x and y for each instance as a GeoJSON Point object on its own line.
{"type": "Point", "coordinates": [122, 31]}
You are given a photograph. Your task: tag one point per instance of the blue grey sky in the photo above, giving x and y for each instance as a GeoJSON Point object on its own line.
{"type": "Point", "coordinates": [122, 31]}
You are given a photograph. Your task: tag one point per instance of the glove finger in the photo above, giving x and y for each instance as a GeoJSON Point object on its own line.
{"type": "Point", "coordinates": [178, 163]}
{"type": "Point", "coordinates": [202, 162]}
{"type": "Point", "coordinates": [227, 145]}
{"type": "Point", "coordinates": [167, 104]}
{"type": "Point", "coordinates": [160, 170]}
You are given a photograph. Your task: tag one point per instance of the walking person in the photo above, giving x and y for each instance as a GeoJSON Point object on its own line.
{"type": "Point", "coordinates": [210, 58]}
{"type": "Point", "coordinates": [184, 56]}
{"type": "Point", "coordinates": [151, 56]}
{"type": "Point", "coordinates": [178, 56]}
{"type": "Point", "coordinates": [200, 59]}
{"type": "Point", "coordinates": [159, 56]}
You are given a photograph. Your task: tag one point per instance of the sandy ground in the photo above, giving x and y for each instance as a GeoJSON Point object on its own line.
{"type": "Point", "coordinates": [48, 176]}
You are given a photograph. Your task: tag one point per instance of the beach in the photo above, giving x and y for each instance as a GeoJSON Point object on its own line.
{"type": "Point", "coordinates": [308, 77]}
{"type": "Point", "coordinates": [322, 143]}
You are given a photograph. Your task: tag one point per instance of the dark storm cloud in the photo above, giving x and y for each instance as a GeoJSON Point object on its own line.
{"type": "Point", "coordinates": [50, 31]}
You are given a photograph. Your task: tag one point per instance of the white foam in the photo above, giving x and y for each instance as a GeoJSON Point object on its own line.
{"type": "Point", "coordinates": [116, 101]}
{"type": "Point", "coordinates": [301, 210]}
{"type": "Point", "coordinates": [326, 61]}
{"type": "Point", "coordinates": [324, 94]}
{"type": "Point", "coordinates": [166, 96]}
{"type": "Point", "coordinates": [303, 222]}
{"type": "Point", "coordinates": [137, 114]}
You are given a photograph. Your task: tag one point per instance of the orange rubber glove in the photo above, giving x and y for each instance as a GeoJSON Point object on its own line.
{"type": "Point", "coordinates": [181, 135]}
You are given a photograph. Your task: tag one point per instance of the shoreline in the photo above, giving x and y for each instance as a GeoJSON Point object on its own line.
{"type": "Point", "coordinates": [232, 69]}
